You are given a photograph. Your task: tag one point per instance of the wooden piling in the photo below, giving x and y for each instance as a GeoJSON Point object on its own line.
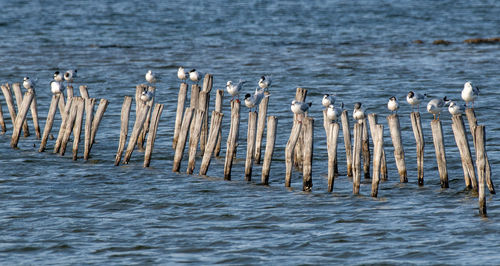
{"type": "Point", "coordinates": [89, 117]}
{"type": "Point", "coordinates": [69, 91]}
{"type": "Point", "coordinates": [346, 131]}
{"type": "Point", "coordinates": [300, 96]}
{"type": "Point", "coordinates": [272, 123]}
{"type": "Point", "coordinates": [458, 127]}
{"type": "Point", "coordinates": [416, 125]}
{"type": "Point", "coordinates": [125, 114]}
{"type": "Point", "coordinates": [437, 137]}
{"type": "Point", "coordinates": [181, 99]}
{"type": "Point", "coordinates": [84, 92]}
{"type": "Point", "coordinates": [21, 117]}
{"type": "Point", "coordinates": [62, 128]}
{"type": "Point", "coordinates": [261, 125]}
{"type": "Point", "coordinates": [145, 129]}
{"type": "Point", "coordinates": [16, 88]}
{"type": "Point", "coordinates": [378, 143]}
{"type": "Point", "coordinates": [232, 139]}
{"type": "Point", "coordinates": [195, 93]}
{"type": "Point", "coordinates": [77, 129]}
{"type": "Point", "coordinates": [289, 150]}
{"type": "Point", "coordinates": [70, 122]}
{"type": "Point", "coordinates": [480, 138]}
{"type": "Point", "coordinates": [251, 131]}
{"type": "Point", "coordinates": [308, 154]}
{"type": "Point", "coordinates": [50, 121]}
{"type": "Point", "coordinates": [142, 114]}
{"type": "Point", "coordinates": [34, 115]}
{"type": "Point", "coordinates": [356, 157]}
{"type": "Point", "coordinates": [181, 142]}
{"type": "Point", "coordinates": [365, 146]}
{"type": "Point", "coordinates": [153, 128]}
{"type": "Point", "coordinates": [218, 107]}
{"type": "Point", "coordinates": [373, 121]}
{"type": "Point", "coordinates": [215, 124]}
{"type": "Point", "coordinates": [194, 137]}
{"type": "Point", "coordinates": [61, 105]}
{"type": "Point", "coordinates": [2, 121]}
{"type": "Point", "coordinates": [203, 103]}
{"type": "Point", "coordinates": [101, 108]}
{"type": "Point", "coordinates": [399, 154]}
{"type": "Point", "coordinates": [332, 132]}
{"type": "Point", "coordinates": [10, 102]}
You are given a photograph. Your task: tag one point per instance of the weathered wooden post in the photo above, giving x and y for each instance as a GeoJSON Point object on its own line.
{"type": "Point", "coordinates": [10, 102]}
{"type": "Point", "coordinates": [232, 139]}
{"type": "Point", "coordinates": [272, 123]}
{"type": "Point", "coordinates": [437, 137]}
{"type": "Point", "coordinates": [356, 157]}
{"type": "Point", "coordinates": [326, 126]}
{"type": "Point", "coordinates": [125, 114]}
{"type": "Point", "coordinates": [62, 105]}
{"type": "Point", "coordinates": [207, 88]}
{"type": "Point", "coordinates": [153, 127]}
{"type": "Point", "coordinates": [289, 150]}
{"type": "Point", "coordinates": [62, 128]}
{"type": "Point", "coordinates": [194, 137]}
{"type": "Point", "coordinates": [458, 127]}
{"type": "Point", "coordinates": [218, 107]}
{"type": "Point", "coordinates": [332, 134]}
{"type": "Point", "coordinates": [481, 166]}
{"type": "Point", "coordinates": [215, 123]}
{"type": "Point", "coordinates": [308, 153]}
{"type": "Point", "coordinates": [399, 154]}
{"type": "Point", "coordinates": [300, 96]}
{"type": "Point", "coordinates": [77, 129]}
{"type": "Point", "coordinates": [416, 124]}
{"type": "Point", "coordinates": [84, 92]}
{"type": "Point", "coordinates": [16, 88]}
{"type": "Point", "coordinates": [181, 142]}
{"type": "Point", "coordinates": [145, 129]}
{"type": "Point", "coordinates": [70, 122]}
{"type": "Point", "coordinates": [195, 99]}
{"type": "Point", "coordinates": [50, 121]}
{"type": "Point", "coordinates": [181, 99]}
{"type": "Point", "coordinates": [21, 118]}
{"type": "Point", "coordinates": [251, 131]}
{"type": "Point", "coordinates": [378, 143]}
{"type": "Point", "coordinates": [101, 108]}
{"type": "Point", "coordinates": [373, 121]}
{"type": "Point", "coordinates": [261, 124]}
{"type": "Point", "coordinates": [142, 114]}
{"type": "Point", "coordinates": [346, 131]}
{"type": "Point", "coordinates": [89, 117]}
{"type": "Point", "coordinates": [365, 146]}
{"type": "Point", "coordinates": [34, 115]}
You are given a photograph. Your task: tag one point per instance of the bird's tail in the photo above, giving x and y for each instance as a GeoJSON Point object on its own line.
{"type": "Point", "coordinates": [309, 103]}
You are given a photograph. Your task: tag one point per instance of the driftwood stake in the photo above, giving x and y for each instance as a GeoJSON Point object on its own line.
{"type": "Point", "coordinates": [218, 107]}
{"type": "Point", "coordinates": [34, 115]}
{"type": "Point", "coordinates": [365, 146]}
{"type": "Point", "coordinates": [16, 88]}
{"type": "Point", "coordinates": [261, 124]}
{"type": "Point", "coordinates": [308, 153]}
{"type": "Point", "coordinates": [145, 129]}
{"type": "Point", "coordinates": [153, 127]}
{"type": "Point", "coordinates": [458, 127]}
{"type": "Point", "coordinates": [373, 121]}
{"type": "Point", "coordinates": [300, 95]}
{"type": "Point", "coordinates": [194, 137]}
{"type": "Point", "coordinates": [232, 139]}
{"type": "Point", "coordinates": [378, 143]}
{"type": "Point", "coordinates": [481, 166]}
{"type": "Point", "coordinates": [346, 131]}
{"type": "Point", "coordinates": [356, 157]}
{"type": "Point", "coordinates": [437, 137]}
{"type": "Point", "coordinates": [289, 150]}
{"type": "Point", "coordinates": [181, 99]}
{"type": "Point", "coordinates": [251, 131]}
{"type": "Point", "coordinates": [181, 143]}
{"type": "Point", "coordinates": [84, 92]}
{"type": "Point", "coordinates": [212, 141]}
{"type": "Point", "coordinates": [332, 134]}
{"type": "Point", "coordinates": [103, 104]}
{"type": "Point", "coordinates": [70, 122]}
{"type": "Point", "coordinates": [62, 128]}
{"type": "Point", "coordinates": [203, 103]}
{"type": "Point", "coordinates": [77, 129]}
{"type": "Point", "coordinates": [399, 154]}
{"type": "Point", "coordinates": [2, 121]}
{"type": "Point", "coordinates": [21, 117]}
{"type": "Point", "coordinates": [50, 121]}
{"type": "Point", "coordinates": [89, 117]}
{"type": "Point", "coordinates": [125, 114]}
{"type": "Point", "coordinates": [272, 123]}
{"type": "Point", "coordinates": [419, 140]}
{"type": "Point", "coordinates": [142, 114]}
{"type": "Point", "coordinates": [10, 102]}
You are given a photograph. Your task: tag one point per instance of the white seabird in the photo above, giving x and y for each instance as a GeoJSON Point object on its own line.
{"type": "Point", "coordinates": [469, 93]}
{"type": "Point", "coordinates": [328, 100]}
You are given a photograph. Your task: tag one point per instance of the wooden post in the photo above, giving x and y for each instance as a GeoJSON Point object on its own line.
{"type": "Point", "coordinates": [181, 99]}
{"type": "Point", "coordinates": [373, 121]}
{"type": "Point", "coordinates": [70, 122]}
{"type": "Point", "coordinates": [251, 131]}
{"type": "Point", "coordinates": [300, 95]}
{"type": "Point", "coordinates": [378, 143]}
{"type": "Point", "coordinates": [203, 99]}
{"type": "Point", "coordinates": [125, 114]}
{"type": "Point", "coordinates": [272, 123]}
{"type": "Point", "coordinates": [84, 92]}
{"type": "Point", "coordinates": [145, 129]}
{"type": "Point", "coordinates": [16, 88]}
{"type": "Point", "coordinates": [89, 117]}
{"type": "Point", "coordinates": [195, 93]}
{"type": "Point", "coordinates": [419, 140]}
{"type": "Point", "coordinates": [69, 89]}
{"type": "Point", "coordinates": [194, 137]}
{"type": "Point", "coordinates": [62, 128]}
{"type": "Point", "coordinates": [346, 131]}
{"type": "Point", "coordinates": [399, 154]}
{"type": "Point", "coordinates": [50, 121]}
{"type": "Point", "coordinates": [10, 102]}
{"type": "Point", "coordinates": [365, 145]}
{"type": "Point", "coordinates": [181, 142]}
{"type": "Point", "coordinates": [289, 150]}
{"type": "Point", "coordinates": [437, 137]}
{"type": "Point", "coordinates": [212, 141]}
{"type": "Point", "coordinates": [232, 139]}
{"type": "Point", "coordinates": [332, 134]}
{"type": "Point", "coordinates": [21, 117]}
{"type": "Point", "coordinates": [103, 104]}
{"type": "Point", "coordinates": [458, 127]}
{"type": "Point", "coordinates": [356, 157]}
{"type": "Point", "coordinates": [471, 117]}
{"type": "Point", "coordinates": [78, 127]}
{"type": "Point", "coordinates": [62, 105]}
{"type": "Point", "coordinates": [480, 137]}
{"type": "Point", "coordinates": [308, 153]}
{"type": "Point", "coordinates": [2, 121]}
{"type": "Point", "coordinates": [153, 127]}
{"type": "Point", "coordinates": [34, 115]}
{"type": "Point", "coordinates": [261, 124]}
{"type": "Point", "coordinates": [218, 107]}
{"type": "Point", "coordinates": [142, 114]}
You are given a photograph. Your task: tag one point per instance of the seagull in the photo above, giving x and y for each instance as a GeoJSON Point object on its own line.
{"type": "Point", "coordinates": [182, 74]}
{"type": "Point", "coordinates": [358, 113]}
{"type": "Point", "coordinates": [58, 76]}
{"type": "Point", "coordinates": [300, 107]}
{"type": "Point", "coordinates": [333, 113]}
{"type": "Point", "coordinates": [455, 109]}
{"type": "Point", "coordinates": [195, 76]}
{"type": "Point", "coordinates": [328, 100]}
{"type": "Point", "coordinates": [265, 82]}
{"type": "Point", "coordinates": [28, 84]}
{"type": "Point", "coordinates": [469, 93]}
{"type": "Point", "coordinates": [69, 76]}
{"type": "Point", "coordinates": [255, 99]}
{"type": "Point", "coordinates": [56, 87]}
{"type": "Point", "coordinates": [393, 105]}
{"type": "Point", "coordinates": [150, 77]}
{"type": "Point", "coordinates": [434, 106]}
{"type": "Point", "coordinates": [414, 98]}
{"type": "Point", "coordinates": [147, 96]}
{"type": "Point", "coordinates": [234, 90]}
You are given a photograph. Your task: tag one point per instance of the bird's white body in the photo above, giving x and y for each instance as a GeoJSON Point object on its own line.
{"type": "Point", "coordinates": [414, 99]}
{"type": "Point", "coordinates": [469, 93]}
{"type": "Point", "coordinates": [233, 89]}
{"type": "Point", "coordinates": [70, 75]}
{"type": "Point", "coordinates": [147, 96]}
{"type": "Point", "coordinates": [58, 76]}
{"type": "Point", "coordinates": [265, 82]}
{"type": "Point", "coordinates": [333, 113]}
{"type": "Point", "coordinates": [182, 74]}
{"type": "Point", "coordinates": [195, 76]}
{"type": "Point", "coordinates": [255, 99]}
{"type": "Point", "coordinates": [328, 100]}
{"type": "Point", "coordinates": [150, 77]}
{"type": "Point", "coordinates": [299, 107]}
{"type": "Point", "coordinates": [27, 83]}
{"type": "Point", "coordinates": [56, 87]}
{"type": "Point", "coordinates": [358, 114]}
{"type": "Point", "coordinates": [435, 105]}
{"type": "Point", "coordinates": [393, 104]}
{"type": "Point", "coordinates": [455, 109]}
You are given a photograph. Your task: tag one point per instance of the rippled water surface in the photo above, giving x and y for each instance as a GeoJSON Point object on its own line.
{"type": "Point", "coordinates": [58, 211]}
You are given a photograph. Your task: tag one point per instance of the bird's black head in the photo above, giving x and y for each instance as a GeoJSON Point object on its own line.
{"type": "Point", "coordinates": [326, 95]}
{"type": "Point", "coordinates": [393, 98]}
{"type": "Point", "coordinates": [357, 105]}
{"type": "Point", "coordinates": [76, 70]}
{"type": "Point", "coordinates": [56, 73]}
{"type": "Point", "coordinates": [263, 78]}
{"type": "Point", "coordinates": [192, 70]}
{"type": "Point", "coordinates": [247, 95]}
{"type": "Point", "coordinates": [411, 94]}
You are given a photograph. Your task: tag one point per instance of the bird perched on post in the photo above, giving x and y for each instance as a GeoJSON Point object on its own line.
{"type": "Point", "coordinates": [328, 100]}
{"type": "Point", "coordinates": [300, 107]}
{"type": "Point", "coordinates": [195, 76]}
{"type": "Point", "coordinates": [265, 82]}
{"type": "Point", "coordinates": [28, 84]}
{"type": "Point", "coordinates": [150, 77]}
{"type": "Point", "coordinates": [58, 76]}
{"type": "Point", "coordinates": [358, 113]}
{"type": "Point", "coordinates": [56, 87]}
{"type": "Point", "coordinates": [393, 104]}
{"type": "Point", "coordinates": [254, 100]}
{"type": "Point", "coordinates": [182, 74]}
{"type": "Point", "coordinates": [69, 76]}
{"type": "Point", "coordinates": [333, 113]}
{"type": "Point", "coordinates": [434, 106]}
{"type": "Point", "coordinates": [234, 90]}
{"type": "Point", "coordinates": [455, 109]}
{"type": "Point", "coordinates": [469, 93]}
{"type": "Point", "coordinates": [414, 98]}
{"type": "Point", "coordinates": [147, 96]}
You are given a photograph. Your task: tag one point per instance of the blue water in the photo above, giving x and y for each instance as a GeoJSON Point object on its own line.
{"type": "Point", "coordinates": [58, 211]}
